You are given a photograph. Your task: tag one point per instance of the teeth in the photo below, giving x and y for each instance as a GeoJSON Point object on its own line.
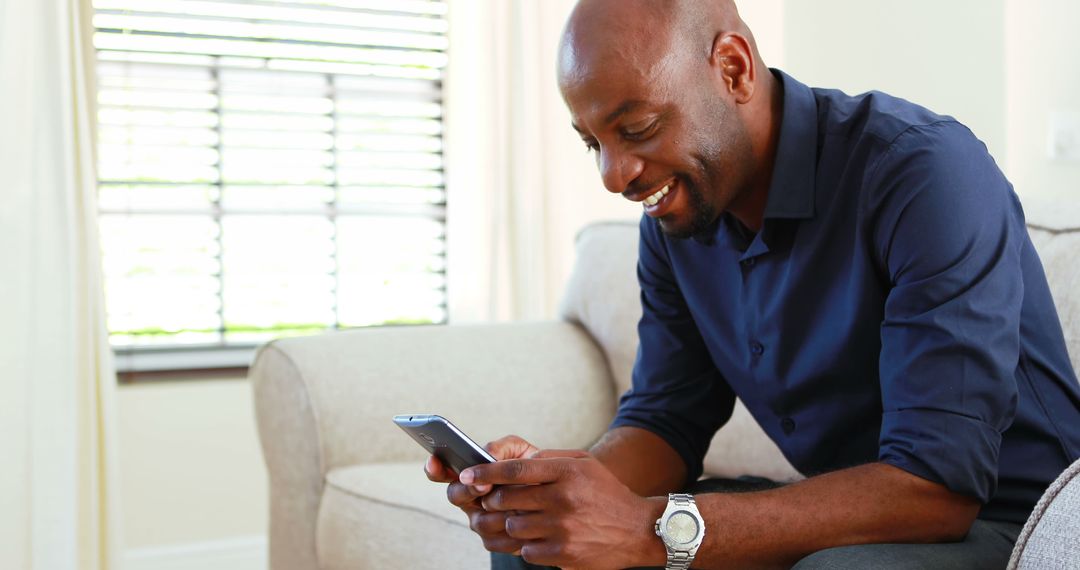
{"type": "Point", "coordinates": [655, 198]}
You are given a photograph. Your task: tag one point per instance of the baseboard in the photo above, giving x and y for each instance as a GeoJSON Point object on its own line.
{"type": "Point", "coordinates": [240, 553]}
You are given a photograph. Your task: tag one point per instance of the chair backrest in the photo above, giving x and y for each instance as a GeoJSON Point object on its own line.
{"type": "Point", "coordinates": [1055, 230]}
{"type": "Point", "coordinates": [603, 294]}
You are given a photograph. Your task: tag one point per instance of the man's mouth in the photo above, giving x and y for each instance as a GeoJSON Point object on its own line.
{"type": "Point", "coordinates": [657, 203]}
{"type": "Point", "coordinates": [655, 198]}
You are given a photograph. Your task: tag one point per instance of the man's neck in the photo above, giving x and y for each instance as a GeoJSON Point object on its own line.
{"type": "Point", "coordinates": [764, 130]}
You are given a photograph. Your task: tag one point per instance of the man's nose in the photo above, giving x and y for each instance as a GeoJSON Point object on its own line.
{"type": "Point", "coordinates": [618, 169]}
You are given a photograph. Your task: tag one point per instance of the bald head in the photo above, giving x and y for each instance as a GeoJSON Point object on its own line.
{"type": "Point", "coordinates": [676, 103]}
{"type": "Point", "coordinates": [640, 35]}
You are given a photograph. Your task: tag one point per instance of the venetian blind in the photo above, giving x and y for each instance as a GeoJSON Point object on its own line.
{"type": "Point", "coordinates": [269, 168]}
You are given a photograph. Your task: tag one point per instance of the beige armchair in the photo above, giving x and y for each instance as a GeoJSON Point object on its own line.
{"type": "Point", "coordinates": [347, 487]}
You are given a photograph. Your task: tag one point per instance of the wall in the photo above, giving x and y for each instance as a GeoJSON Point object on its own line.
{"type": "Point", "coordinates": [191, 472]}
{"type": "Point", "coordinates": [946, 56]}
{"type": "Point", "coordinates": [1041, 48]}
{"type": "Point", "coordinates": [1006, 68]}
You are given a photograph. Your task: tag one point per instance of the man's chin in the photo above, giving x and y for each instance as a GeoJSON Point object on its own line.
{"type": "Point", "coordinates": [684, 228]}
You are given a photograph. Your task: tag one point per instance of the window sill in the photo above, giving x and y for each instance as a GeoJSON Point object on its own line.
{"type": "Point", "coordinates": [148, 377]}
{"type": "Point", "coordinates": [182, 360]}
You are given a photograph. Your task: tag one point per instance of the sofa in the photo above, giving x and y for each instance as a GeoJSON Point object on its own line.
{"type": "Point", "coordinates": [347, 488]}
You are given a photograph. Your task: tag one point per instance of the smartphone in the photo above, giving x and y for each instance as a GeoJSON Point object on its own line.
{"type": "Point", "coordinates": [443, 440]}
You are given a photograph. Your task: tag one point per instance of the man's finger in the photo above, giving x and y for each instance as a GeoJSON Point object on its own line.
{"type": "Point", "coordinates": [502, 543]}
{"type": "Point", "coordinates": [522, 498]}
{"type": "Point", "coordinates": [510, 447]}
{"type": "Point", "coordinates": [543, 552]}
{"type": "Point", "coordinates": [516, 472]}
{"type": "Point", "coordinates": [461, 495]}
{"type": "Point", "coordinates": [485, 523]}
{"type": "Point", "coordinates": [530, 526]}
{"type": "Point", "coordinates": [436, 471]}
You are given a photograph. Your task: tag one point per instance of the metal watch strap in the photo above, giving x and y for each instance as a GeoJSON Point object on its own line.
{"type": "Point", "coordinates": [678, 559]}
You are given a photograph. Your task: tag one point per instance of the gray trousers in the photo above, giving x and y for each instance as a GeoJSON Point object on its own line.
{"type": "Point", "coordinates": [987, 546]}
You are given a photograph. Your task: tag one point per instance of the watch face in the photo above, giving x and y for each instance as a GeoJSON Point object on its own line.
{"type": "Point", "coordinates": [681, 527]}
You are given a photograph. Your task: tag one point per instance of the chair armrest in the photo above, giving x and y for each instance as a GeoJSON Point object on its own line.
{"type": "Point", "coordinates": [327, 401]}
{"type": "Point", "coordinates": [547, 382]}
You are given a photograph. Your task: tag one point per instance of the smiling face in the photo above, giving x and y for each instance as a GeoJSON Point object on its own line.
{"type": "Point", "coordinates": [655, 110]}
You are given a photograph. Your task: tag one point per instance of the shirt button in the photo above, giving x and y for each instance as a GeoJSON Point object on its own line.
{"type": "Point", "coordinates": [749, 262]}
{"type": "Point", "coordinates": [788, 425]}
{"type": "Point", "coordinates": [757, 349]}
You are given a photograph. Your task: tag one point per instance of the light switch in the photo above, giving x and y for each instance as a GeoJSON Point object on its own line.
{"type": "Point", "coordinates": [1065, 136]}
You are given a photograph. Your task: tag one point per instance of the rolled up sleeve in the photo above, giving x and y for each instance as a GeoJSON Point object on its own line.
{"type": "Point", "coordinates": [676, 391]}
{"type": "Point", "coordinates": [949, 231]}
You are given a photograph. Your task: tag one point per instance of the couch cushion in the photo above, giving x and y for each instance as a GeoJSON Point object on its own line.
{"type": "Point", "coordinates": [371, 513]}
{"type": "Point", "coordinates": [1051, 538]}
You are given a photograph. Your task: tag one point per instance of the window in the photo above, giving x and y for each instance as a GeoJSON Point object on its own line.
{"type": "Point", "coordinates": [267, 168]}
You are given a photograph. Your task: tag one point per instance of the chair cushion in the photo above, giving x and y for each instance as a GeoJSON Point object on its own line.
{"type": "Point", "coordinates": [370, 514]}
{"type": "Point", "coordinates": [1051, 538]}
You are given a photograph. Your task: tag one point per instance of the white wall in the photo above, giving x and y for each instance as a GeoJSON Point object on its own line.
{"type": "Point", "coordinates": [1006, 68]}
{"type": "Point", "coordinates": [1042, 49]}
{"type": "Point", "coordinates": [191, 471]}
{"type": "Point", "coordinates": [766, 21]}
{"type": "Point", "coordinates": [947, 56]}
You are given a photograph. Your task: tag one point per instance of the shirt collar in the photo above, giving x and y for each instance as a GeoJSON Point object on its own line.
{"type": "Point", "coordinates": [791, 193]}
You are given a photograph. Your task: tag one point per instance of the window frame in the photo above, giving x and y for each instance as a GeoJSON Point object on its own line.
{"type": "Point", "coordinates": [226, 355]}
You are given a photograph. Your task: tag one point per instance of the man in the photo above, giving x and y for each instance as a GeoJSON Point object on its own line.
{"type": "Point", "coordinates": [855, 269]}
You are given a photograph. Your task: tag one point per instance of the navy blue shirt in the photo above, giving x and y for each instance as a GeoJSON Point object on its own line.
{"type": "Point", "coordinates": [892, 308]}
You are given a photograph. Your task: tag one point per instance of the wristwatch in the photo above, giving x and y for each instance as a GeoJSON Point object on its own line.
{"type": "Point", "coordinates": [682, 529]}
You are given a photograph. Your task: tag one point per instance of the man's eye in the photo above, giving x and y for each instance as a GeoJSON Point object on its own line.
{"type": "Point", "coordinates": [591, 146]}
{"type": "Point", "coordinates": [636, 132]}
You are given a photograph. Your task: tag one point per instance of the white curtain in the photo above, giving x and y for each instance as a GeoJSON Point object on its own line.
{"type": "Point", "coordinates": [495, 179]}
{"type": "Point", "coordinates": [58, 497]}
{"type": "Point", "coordinates": [519, 180]}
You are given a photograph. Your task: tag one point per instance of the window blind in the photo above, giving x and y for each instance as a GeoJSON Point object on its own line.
{"type": "Point", "coordinates": [269, 168]}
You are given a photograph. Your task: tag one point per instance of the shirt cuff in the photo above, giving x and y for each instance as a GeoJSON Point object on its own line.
{"type": "Point", "coordinates": [957, 451]}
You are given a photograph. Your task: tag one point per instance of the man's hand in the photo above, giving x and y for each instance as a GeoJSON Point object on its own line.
{"type": "Point", "coordinates": [491, 526]}
{"type": "Point", "coordinates": [566, 509]}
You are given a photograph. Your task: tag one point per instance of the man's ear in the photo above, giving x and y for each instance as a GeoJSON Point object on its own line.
{"type": "Point", "coordinates": [732, 58]}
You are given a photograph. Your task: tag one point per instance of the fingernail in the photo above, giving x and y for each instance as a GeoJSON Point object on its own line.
{"type": "Point", "coordinates": [482, 488]}
{"type": "Point", "coordinates": [466, 476]}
